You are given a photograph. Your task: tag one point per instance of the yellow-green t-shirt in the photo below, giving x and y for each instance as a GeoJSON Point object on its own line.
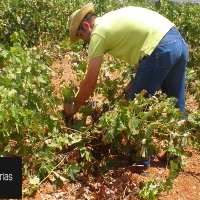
{"type": "Point", "coordinates": [128, 34]}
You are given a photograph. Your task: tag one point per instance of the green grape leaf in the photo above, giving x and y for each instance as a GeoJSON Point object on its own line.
{"type": "Point", "coordinates": [68, 94]}
{"type": "Point", "coordinates": [72, 171]}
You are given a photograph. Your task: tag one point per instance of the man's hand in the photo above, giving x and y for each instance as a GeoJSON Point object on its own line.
{"type": "Point", "coordinates": [127, 89]}
{"type": "Point", "coordinates": [69, 108]}
{"type": "Point", "coordinates": [87, 86]}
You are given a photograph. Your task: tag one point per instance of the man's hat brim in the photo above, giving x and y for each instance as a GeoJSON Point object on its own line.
{"type": "Point", "coordinates": [76, 18]}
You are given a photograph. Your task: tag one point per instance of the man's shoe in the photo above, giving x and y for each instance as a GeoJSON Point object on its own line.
{"type": "Point", "coordinates": [140, 169]}
{"type": "Point", "coordinates": [140, 164]}
{"type": "Point", "coordinates": [135, 168]}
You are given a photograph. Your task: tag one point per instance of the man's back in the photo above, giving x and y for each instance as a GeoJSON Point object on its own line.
{"type": "Point", "coordinates": [126, 32]}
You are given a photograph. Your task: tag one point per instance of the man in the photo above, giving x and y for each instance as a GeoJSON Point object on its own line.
{"type": "Point", "coordinates": [142, 38]}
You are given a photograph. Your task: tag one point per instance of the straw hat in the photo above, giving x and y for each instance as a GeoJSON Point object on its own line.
{"type": "Point", "coordinates": [76, 18]}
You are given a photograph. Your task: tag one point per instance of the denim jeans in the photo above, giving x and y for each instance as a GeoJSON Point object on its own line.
{"type": "Point", "coordinates": [164, 68]}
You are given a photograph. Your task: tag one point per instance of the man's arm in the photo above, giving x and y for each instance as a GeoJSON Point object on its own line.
{"type": "Point", "coordinates": [87, 86]}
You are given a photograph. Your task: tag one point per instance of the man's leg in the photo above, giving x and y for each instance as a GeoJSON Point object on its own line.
{"type": "Point", "coordinates": [174, 83]}
{"type": "Point", "coordinates": [164, 68]}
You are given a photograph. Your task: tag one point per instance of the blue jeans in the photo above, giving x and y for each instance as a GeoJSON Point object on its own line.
{"type": "Point", "coordinates": [164, 68]}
